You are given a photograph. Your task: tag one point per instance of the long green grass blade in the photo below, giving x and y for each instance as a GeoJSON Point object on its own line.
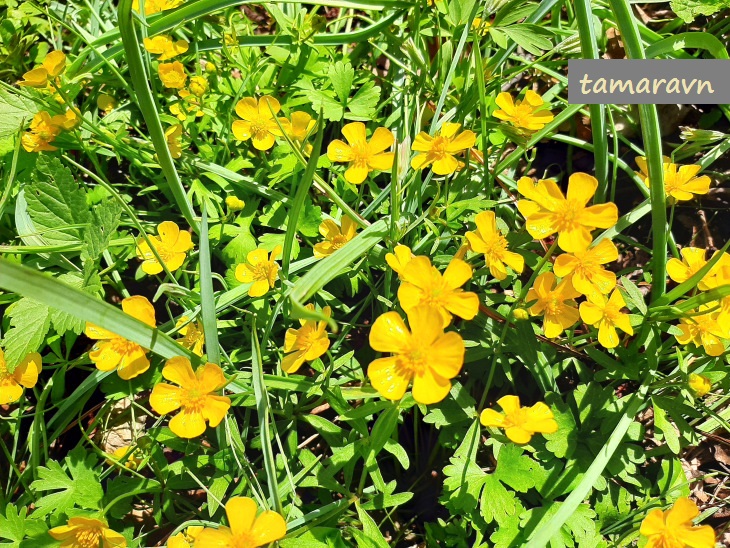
{"type": "Point", "coordinates": [207, 299]}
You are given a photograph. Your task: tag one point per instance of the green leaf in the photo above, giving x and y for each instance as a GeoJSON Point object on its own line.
{"type": "Point", "coordinates": [105, 220]}
{"type": "Point", "coordinates": [689, 9]}
{"type": "Point", "coordinates": [497, 503]}
{"type": "Point", "coordinates": [342, 75]}
{"type": "Point", "coordinates": [12, 526]}
{"type": "Point", "coordinates": [81, 488]}
{"type": "Point", "coordinates": [62, 321]}
{"type": "Point", "coordinates": [531, 38]}
{"type": "Point", "coordinates": [365, 102]}
{"type": "Point", "coordinates": [635, 296]}
{"type": "Point", "coordinates": [29, 324]}
{"type": "Point", "coordinates": [517, 470]}
{"type": "Point", "coordinates": [370, 537]}
{"type": "Point", "coordinates": [562, 443]}
{"type": "Point", "coordinates": [56, 204]}
{"type": "Point", "coordinates": [663, 424]}
{"type": "Point", "coordinates": [16, 111]}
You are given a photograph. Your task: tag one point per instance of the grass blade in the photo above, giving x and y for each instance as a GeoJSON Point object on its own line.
{"type": "Point", "coordinates": [207, 299]}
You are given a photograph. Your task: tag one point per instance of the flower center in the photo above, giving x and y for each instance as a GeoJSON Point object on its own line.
{"type": "Point", "coordinates": [264, 270]}
{"type": "Point", "coordinates": [495, 245]}
{"type": "Point", "coordinates": [338, 241]}
{"type": "Point", "coordinates": [438, 147]}
{"type": "Point", "coordinates": [414, 361]}
{"type": "Point", "coordinates": [667, 540]}
{"type": "Point", "coordinates": [243, 540]}
{"type": "Point", "coordinates": [88, 538]}
{"type": "Point", "coordinates": [194, 399]}
{"type": "Point", "coordinates": [518, 418]}
{"type": "Point", "coordinates": [568, 215]}
{"type": "Point", "coordinates": [122, 346]}
{"type": "Point", "coordinates": [553, 306]}
{"type": "Point", "coordinates": [361, 154]}
{"type": "Point", "coordinates": [260, 128]}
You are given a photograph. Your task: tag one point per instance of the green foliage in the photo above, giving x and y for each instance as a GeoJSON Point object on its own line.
{"type": "Point", "coordinates": [690, 9]}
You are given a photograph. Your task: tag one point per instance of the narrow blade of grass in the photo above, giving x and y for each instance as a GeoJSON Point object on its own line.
{"type": "Point", "coordinates": [207, 300]}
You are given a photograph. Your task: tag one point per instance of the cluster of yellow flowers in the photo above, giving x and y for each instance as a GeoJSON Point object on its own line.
{"type": "Point", "coordinates": [44, 129]}
{"type": "Point", "coordinates": [45, 76]}
{"type": "Point", "coordinates": [260, 124]}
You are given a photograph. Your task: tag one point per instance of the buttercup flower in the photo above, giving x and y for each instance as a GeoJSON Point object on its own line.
{"type": "Point", "coordinates": [234, 203]}
{"type": "Point", "coordinates": [127, 456]}
{"type": "Point", "coordinates": [529, 114]}
{"type": "Point", "coordinates": [362, 155]}
{"type": "Point", "coordinates": [674, 529]}
{"type": "Point", "coordinates": [703, 329]}
{"type": "Point", "coordinates": [335, 236]}
{"type": "Point", "coordinates": [186, 539]}
{"type": "Point", "coordinates": [699, 384]}
{"type": "Point", "coordinates": [67, 121]}
{"type": "Point", "coordinates": [171, 245]}
{"type": "Point", "coordinates": [258, 121]}
{"type": "Point", "coordinates": [87, 533]}
{"type": "Point", "coordinates": [584, 268]}
{"type": "Point", "coordinates": [106, 102]}
{"type": "Point", "coordinates": [188, 104]}
{"type": "Point", "coordinates": [114, 352]}
{"type": "Point", "coordinates": [606, 315]}
{"type": "Point", "coordinates": [260, 270]}
{"type": "Point", "coordinates": [555, 303]}
{"type": "Point", "coordinates": [51, 67]}
{"type": "Point", "coordinates": [424, 354]}
{"type": "Point", "coordinates": [43, 131]}
{"type": "Point", "coordinates": [481, 26]}
{"type": "Point", "coordinates": [488, 240]}
{"type": "Point", "coordinates": [520, 423]}
{"type": "Point", "coordinates": [245, 529]}
{"type": "Point", "coordinates": [400, 257]}
{"type": "Point", "coordinates": [193, 337]}
{"type": "Point", "coordinates": [680, 182]}
{"type": "Point", "coordinates": [172, 74]}
{"type": "Point", "coordinates": [173, 136]}
{"type": "Point", "coordinates": [198, 85]}
{"type": "Point", "coordinates": [307, 343]}
{"type": "Point", "coordinates": [298, 126]}
{"type": "Point", "coordinates": [547, 211]}
{"type": "Point", "coordinates": [156, 6]}
{"type": "Point", "coordinates": [25, 375]}
{"type": "Point", "coordinates": [693, 260]}
{"type": "Point", "coordinates": [424, 284]}
{"type": "Point", "coordinates": [165, 47]}
{"type": "Point", "coordinates": [195, 395]}
{"type": "Point", "coordinates": [440, 149]}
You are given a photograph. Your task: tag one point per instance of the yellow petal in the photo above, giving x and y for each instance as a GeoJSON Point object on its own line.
{"type": "Point", "coordinates": [491, 418]}
{"type": "Point", "coordinates": [134, 362]}
{"type": "Point", "coordinates": [446, 355]}
{"type": "Point", "coordinates": [338, 151]}
{"type": "Point", "coordinates": [267, 528]}
{"type": "Point", "coordinates": [214, 538]}
{"type": "Point", "coordinates": [389, 333]}
{"type": "Point", "coordinates": [140, 308]}
{"type": "Point", "coordinates": [518, 435]}
{"type": "Point", "coordinates": [179, 371]}
{"type": "Point", "coordinates": [215, 409]}
{"type": "Point", "coordinates": [390, 380]}
{"type": "Point", "coordinates": [426, 324]}
{"type": "Point", "coordinates": [457, 273]}
{"type": "Point", "coordinates": [166, 398]}
{"type": "Point", "coordinates": [430, 387]}
{"type": "Point", "coordinates": [26, 372]}
{"type": "Point", "coordinates": [210, 378]}
{"type": "Point", "coordinates": [248, 109]}
{"type": "Point", "coordinates": [509, 404]}
{"type": "Point", "coordinates": [356, 174]}
{"type": "Point", "coordinates": [381, 140]}
{"type": "Point", "coordinates": [581, 188]}
{"type": "Point", "coordinates": [354, 132]}
{"type": "Point", "coordinates": [188, 424]}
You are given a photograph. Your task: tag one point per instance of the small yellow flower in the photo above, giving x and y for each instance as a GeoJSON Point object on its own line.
{"type": "Point", "coordinates": [520, 423]}
{"type": "Point", "coordinates": [156, 6]}
{"type": "Point", "coordinates": [25, 375]}
{"type": "Point", "coordinates": [245, 528]}
{"type": "Point", "coordinates": [440, 150]}
{"type": "Point", "coordinates": [173, 136]}
{"type": "Point", "coordinates": [693, 260]}
{"type": "Point", "coordinates": [548, 211]}
{"type": "Point", "coordinates": [198, 85]}
{"type": "Point", "coordinates": [424, 354]}
{"type": "Point", "coordinates": [52, 66]}
{"type": "Point", "coordinates": [87, 533]}
{"type": "Point", "coordinates": [555, 303]}
{"type": "Point", "coordinates": [584, 268]}
{"type": "Point", "coordinates": [529, 114]}
{"type": "Point", "coordinates": [424, 284]}
{"type": "Point", "coordinates": [480, 26]}
{"type": "Point", "coordinates": [67, 121]}
{"type": "Point", "coordinates": [699, 384]}
{"type": "Point", "coordinates": [186, 539]}
{"type": "Point", "coordinates": [193, 337]}
{"type": "Point", "coordinates": [172, 75]}
{"type": "Point", "coordinates": [195, 395]}
{"type": "Point", "coordinates": [127, 456]}
{"type": "Point", "coordinates": [42, 132]}
{"type": "Point", "coordinates": [260, 270]}
{"type": "Point", "coordinates": [188, 104]}
{"type": "Point", "coordinates": [172, 246]}
{"type": "Point", "coordinates": [106, 102]}
{"type": "Point", "coordinates": [165, 47]}
{"type": "Point", "coordinates": [680, 182]}
{"type": "Point", "coordinates": [488, 240]}
{"type": "Point", "coordinates": [363, 156]}
{"type": "Point", "coordinates": [307, 343]}
{"type": "Point", "coordinates": [258, 121]}
{"type": "Point", "coordinates": [210, 67]}
{"type": "Point", "coordinates": [398, 260]}
{"type": "Point", "coordinates": [607, 316]}
{"type": "Point", "coordinates": [674, 529]}
{"type": "Point", "coordinates": [112, 352]}
{"type": "Point", "coordinates": [234, 203]}
{"type": "Point", "coordinates": [703, 329]}
{"type": "Point", "coordinates": [335, 236]}
{"type": "Point", "coordinates": [298, 126]}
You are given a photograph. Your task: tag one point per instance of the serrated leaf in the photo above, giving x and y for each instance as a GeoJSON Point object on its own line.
{"type": "Point", "coordinates": [56, 203]}
{"type": "Point", "coordinates": [563, 442]}
{"type": "Point", "coordinates": [531, 38]}
{"type": "Point", "coordinates": [690, 9]}
{"type": "Point", "coordinates": [105, 219]}
{"type": "Point", "coordinates": [635, 296]}
{"type": "Point", "coordinates": [16, 110]}
{"type": "Point", "coordinates": [663, 424]}
{"type": "Point", "coordinates": [29, 324]}
{"type": "Point", "coordinates": [371, 535]}
{"type": "Point", "coordinates": [62, 321]}
{"type": "Point", "coordinates": [497, 503]}
{"type": "Point", "coordinates": [463, 484]}
{"type": "Point", "coordinates": [365, 102]}
{"type": "Point", "coordinates": [12, 526]}
{"type": "Point", "coordinates": [517, 470]}
{"type": "Point", "coordinates": [342, 75]}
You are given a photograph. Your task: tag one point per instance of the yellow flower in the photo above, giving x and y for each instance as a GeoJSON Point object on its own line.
{"type": "Point", "coordinates": [298, 126]}
{"type": "Point", "coordinates": [607, 316]}
{"type": "Point", "coordinates": [520, 423]}
{"type": "Point", "coordinates": [363, 156]}
{"type": "Point", "coordinates": [171, 245]}
{"type": "Point", "coordinates": [400, 257]}
{"type": "Point", "coordinates": [440, 150]}
{"type": "Point", "coordinates": [156, 6]}
{"type": "Point", "coordinates": [703, 329]}
{"type": "Point", "coordinates": [335, 236]}
{"type": "Point", "coordinates": [127, 456]}
{"type": "Point", "coordinates": [115, 352]}
{"type": "Point", "coordinates": [425, 355]}
{"type": "Point", "coordinates": [52, 66]}
{"type": "Point", "coordinates": [674, 529]}
{"type": "Point", "coordinates": [173, 136]}
{"type": "Point", "coordinates": [165, 47]}
{"type": "Point", "coordinates": [258, 121]}
{"type": "Point", "coordinates": [481, 26]}
{"type": "Point", "coordinates": [195, 394]}
{"type": "Point", "coordinates": [529, 114]}
{"type": "Point", "coordinates": [680, 182]}
{"type": "Point", "coordinates": [555, 303]}
{"type": "Point", "coordinates": [699, 384]}
{"type": "Point", "coordinates": [693, 260]}
{"type": "Point", "coordinates": [188, 104]}
{"type": "Point", "coordinates": [198, 85]}
{"type": "Point", "coordinates": [193, 337]}
{"type": "Point", "coordinates": [547, 211]}
{"type": "Point", "coordinates": [424, 284]}
{"type": "Point", "coordinates": [488, 240]}
{"type": "Point", "coordinates": [245, 529]}
{"type": "Point", "coordinates": [172, 75]}
{"type": "Point", "coordinates": [234, 203]}
{"type": "Point", "coordinates": [186, 539]}
{"type": "Point", "coordinates": [43, 131]}
{"type": "Point", "coordinates": [261, 270]}
{"type": "Point", "coordinates": [67, 121]}
{"type": "Point", "coordinates": [307, 343]}
{"type": "Point", "coordinates": [106, 102]}
{"type": "Point", "coordinates": [584, 268]}
{"type": "Point", "coordinates": [25, 375]}
{"type": "Point", "coordinates": [87, 533]}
